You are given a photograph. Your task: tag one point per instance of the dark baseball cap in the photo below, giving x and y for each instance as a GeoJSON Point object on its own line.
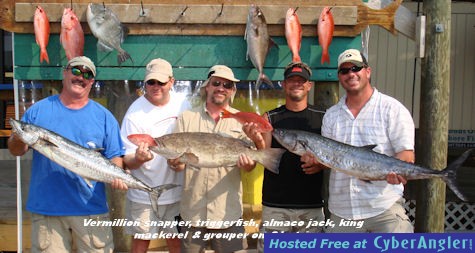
{"type": "Point", "coordinates": [298, 69]}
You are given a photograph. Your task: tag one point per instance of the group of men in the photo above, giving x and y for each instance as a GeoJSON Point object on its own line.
{"type": "Point", "coordinates": [364, 116]}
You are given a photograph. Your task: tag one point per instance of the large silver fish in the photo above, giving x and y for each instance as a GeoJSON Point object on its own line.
{"type": "Point", "coordinates": [108, 29]}
{"type": "Point", "coordinates": [208, 150]}
{"type": "Point", "coordinates": [87, 163]}
{"type": "Point", "coordinates": [362, 162]}
{"type": "Point", "coordinates": [258, 42]}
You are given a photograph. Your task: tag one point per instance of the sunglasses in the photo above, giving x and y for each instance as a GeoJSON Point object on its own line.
{"type": "Point", "coordinates": [77, 72]}
{"type": "Point", "coordinates": [153, 82]}
{"type": "Point", "coordinates": [354, 69]}
{"type": "Point", "coordinates": [226, 85]}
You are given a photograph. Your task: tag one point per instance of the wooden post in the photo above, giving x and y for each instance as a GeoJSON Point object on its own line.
{"type": "Point", "coordinates": [433, 126]}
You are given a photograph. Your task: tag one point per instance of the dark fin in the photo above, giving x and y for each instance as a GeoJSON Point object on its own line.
{"type": "Point", "coordinates": [270, 158]}
{"type": "Point", "coordinates": [369, 147]}
{"type": "Point", "coordinates": [265, 79]}
{"type": "Point", "coordinates": [450, 174]}
{"type": "Point", "coordinates": [122, 56]}
{"type": "Point", "coordinates": [156, 193]}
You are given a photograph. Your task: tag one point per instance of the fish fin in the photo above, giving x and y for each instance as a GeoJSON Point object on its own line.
{"type": "Point", "coordinates": [88, 182]}
{"type": "Point", "coordinates": [190, 158]}
{"type": "Point", "coordinates": [369, 147]}
{"type": "Point", "coordinates": [296, 58]}
{"type": "Point", "coordinates": [122, 56]}
{"type": "Point", "coordinates": [325, 57]}
{"type": "Point", "coordinates": [263, 79]}
{"type": "Point", "coordinates": [44, 56]}
{"type": "Point", "coordinates": [270, 158]}
{"type": "Point", "coordinates": [449, 174]}
{"type": "Point", "coordinates": [103, 47]}
{"type": "Point", "coordinates": [155, 194]}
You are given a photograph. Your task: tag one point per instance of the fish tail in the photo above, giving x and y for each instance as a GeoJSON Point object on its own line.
{"type": "Point", "coordinates": [122, 56]}
{"type": "Point", "coordinates": [44, 56]}
{"type": "Point", "coordinates": [449, 174]}
{"type": "Point", "coordinates": [155, 193]}
{"type": "Point", "coordinates": [263, 78]}
{"type": "Point", "coordinates": [270, 158]}
{"type": "Point", "coordinates": [296, 58]}
{"type": "Point", "coordinates": [325, 57]}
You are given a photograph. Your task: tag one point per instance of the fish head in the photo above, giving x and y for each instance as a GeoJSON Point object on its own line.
{"type": "Point", "coordinates": [139, 138]}
{"type": "Point", "coordinates": [97, 13]}
{"type": "Point", "coordinates": [25, 132]}
{"type": "Point", "coordinates": [290, 140]}
{"type": "Point", "coordinates": [256, 16]}
{"type": "Point", "coordinates": [69, 19]}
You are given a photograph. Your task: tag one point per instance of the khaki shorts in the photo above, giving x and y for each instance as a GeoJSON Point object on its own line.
{"type": "Point", "coordinates": [303, 216]}
{"type": "Point", "coordinates": [56, 234]}
{"type": "Point", "coordinates": [149, 222]}
{"type": "Point", "coordinates": [198, 244]}
{"type": "Point", "coordinates": [393, 220]}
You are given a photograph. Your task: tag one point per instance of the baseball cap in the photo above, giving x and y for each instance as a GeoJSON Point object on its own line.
{"type": "Point", "coordinates": [84, 62]}
{"type": "Point", "coordinates": [158, 69]}
{"type": "Point", "coordinates": [354, 56]}
{"type": "Point", "coordinates": [297, 69]}
{"type": "Point", "coordinates": [223, 72]}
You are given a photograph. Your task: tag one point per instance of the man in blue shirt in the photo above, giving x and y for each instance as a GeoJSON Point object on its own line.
{"type": "Point", "coordinates": [60, 200]}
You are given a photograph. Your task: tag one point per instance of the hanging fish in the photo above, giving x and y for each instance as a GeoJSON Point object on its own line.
{"type": "Point", "coordinates": [258, 42]}
{"type": "Point", "coordinates": [72, 35]}
{"type": "Point", "coordinates": [325, 29]}
{"type": "Point", "coordinates": [293, 33]}
{"type": "Point", "coordinates": [108, 29]}
{"type": "Point", "coordinates": [41, 25]}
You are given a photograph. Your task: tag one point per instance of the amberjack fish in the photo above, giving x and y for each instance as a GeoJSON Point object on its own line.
{"type": "Point", "coordinates": [87, 163]}
{"type": "Point", "coordinates": [208, 150]}
{"type": "Point", "coordinates": [42, 28]}
{"type": "Point", "coordinates": [247, 117]}
{"type": "Point", "coordinates": [325, 28]}
{"type": "Point", "coordinates": [258, 42]}
{"type": "Point", "coordinates": [363, 162]}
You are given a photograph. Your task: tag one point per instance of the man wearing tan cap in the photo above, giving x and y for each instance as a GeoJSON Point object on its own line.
{"type": "Point", "coordinates": [213, 194]}
{"type": "Point", "coordinates": [61, 201]}
{"type": "Point", "coordinates": [365, 116]}
{"type": "Point", "coordinates": [155, 113]}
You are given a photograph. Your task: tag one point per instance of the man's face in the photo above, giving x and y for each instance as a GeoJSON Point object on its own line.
{"type": "Point", "coordinates": [353, 78]}
{"type": "Point", "coordinates": [220, 90]}
{"type": "Point", "coordinates": [296, 88]}
{"type": "Point", "coordinates": [77, 80]}
{"type": "Point", "coordinates": [157, 92]}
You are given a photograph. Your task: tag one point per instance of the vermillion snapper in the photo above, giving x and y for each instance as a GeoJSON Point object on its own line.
{"type": "Point", "coordinates": [72, 35]}
{"type": "Point", "coordinates": [108, 29]}
{"type": "Point", "coordinates": [41, 25]}
{"type": "Point", "coordinates": [249, 117]}
{"type": "Point", "coordinates": [208, 150]}
{"type": "Point", "coordinates": [87, 163]}
{"type": "Point", "coordinates": [325, 29]}
{"type": "Point", "coordinates": [363, 162]}
{"type": "Point", "coordinates": [293, 33]}
{"type": "Point", "coordinates": [258, 42]}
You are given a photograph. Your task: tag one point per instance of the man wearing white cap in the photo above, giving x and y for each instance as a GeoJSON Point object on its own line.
{"type": "Point", "coordinates": [213, 194]}
{"type": "Point", "coordinates": [364, 116]}
{"type": "Point", "coordinates": [155, 113]}
{"type": "Point", "coordinates": [60, 200]}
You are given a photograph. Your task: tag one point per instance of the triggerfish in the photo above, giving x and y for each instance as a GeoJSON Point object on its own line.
{"type": "Point", "coordinates": [325, 29]}
{"type": "Point", "coordinates": [293, 33]}
{"type": "Point", "coordinates": [41, 25]}
{"type": "Point", "coordinates": [248, 117]}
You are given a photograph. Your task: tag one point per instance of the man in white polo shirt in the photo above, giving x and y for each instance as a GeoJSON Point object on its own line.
{"type": "Point", "coordinates": [364, 116]}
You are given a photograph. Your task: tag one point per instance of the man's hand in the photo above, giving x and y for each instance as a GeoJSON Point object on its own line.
{"type": "Point", "coordinates": [246, 163]}
{"type": "Point", "coordinates": [118, 184]}
{"type": "Point", "coordinates": [310, 164]}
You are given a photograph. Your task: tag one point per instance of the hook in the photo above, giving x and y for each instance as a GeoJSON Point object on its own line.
{"type": "Point", "coordinates": [142, 11]}
{"type": "Point", "coordinates": [71, 4]}
{"type": "Point", "coordinates": [184, 10]}
{"type": "Point", "coordinates": [104, 5]}
{"type": "Point", "coordinates": [221, 11]}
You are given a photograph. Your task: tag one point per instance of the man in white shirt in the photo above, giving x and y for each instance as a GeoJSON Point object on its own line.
{"type": "Point", "coordinates": [364, 116]}
{"type": "Point", "coordinates": [155, 113]}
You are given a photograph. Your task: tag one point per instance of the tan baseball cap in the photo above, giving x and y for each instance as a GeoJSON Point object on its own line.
{"type": "Point", "coordinates": [223, 72]}
{"type": "Point", "coordinates": [84, 62]}
{"type": "Point", "coordinates": [158, 69]}
{"type": "Point", "coordinates": [354, 56]}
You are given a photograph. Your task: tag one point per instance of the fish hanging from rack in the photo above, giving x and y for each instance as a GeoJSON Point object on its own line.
{"type": "Point", "coordinates": [42, 28]}
{"type": "Point", "coordinates": [325, 28]}
{"type": "Point", "coordinates": [72, 35]}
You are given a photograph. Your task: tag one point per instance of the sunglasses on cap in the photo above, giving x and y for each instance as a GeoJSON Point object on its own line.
{"type": "Point", "coordinates": [226, 85]}
{"type": "Point", "coordinates": [153, 82]}
{"type": "Point", "coordinates": [354, 69]}
{"type": "Point", "coordinates": [86, 75]}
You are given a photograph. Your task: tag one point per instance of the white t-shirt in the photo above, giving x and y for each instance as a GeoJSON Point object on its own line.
{"type": "Point", "coordinates": [143, 117]}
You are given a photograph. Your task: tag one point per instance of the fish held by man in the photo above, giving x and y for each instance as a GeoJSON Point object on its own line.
{"type": "Point", "coordinates": [262, 125]}
{"type": "Point", "coordinates": [209, 150]}
{"type": "Point", "coordinates": [325, 28]}
{"type": "Point", "coordinates": [72, 35]}
{"type": "Point", "coordinates": [258, 42]}
{"type": "Point", "coordinates": [42, 31]}
{"type": "Point", "coordinates": [87, 163]}
{"type": "Point", "coordinates": [293, 33]}
{"type": "Point", "coordinates": [107, 28]}
{"type": "Point", "coordinates": [363, 162]}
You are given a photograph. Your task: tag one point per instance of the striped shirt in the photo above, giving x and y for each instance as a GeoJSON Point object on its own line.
{"type": "Point", "coordinates": [383, 121]}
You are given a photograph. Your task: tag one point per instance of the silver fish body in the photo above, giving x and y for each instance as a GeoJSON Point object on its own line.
{"type": "Point", "coordinates": [108, 29]}
{"type": "Point", "coordinates": [87, 163]}
{"type": "Point", "coordinates": [362, 162]}
{"type": "Point", "coordinates": [258, 40]}
{"type": "Point", "coordinates": [208, 150]}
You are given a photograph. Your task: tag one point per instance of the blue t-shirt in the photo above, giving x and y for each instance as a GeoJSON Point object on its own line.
{"type": "Point", "coordinates": [55, 190]}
